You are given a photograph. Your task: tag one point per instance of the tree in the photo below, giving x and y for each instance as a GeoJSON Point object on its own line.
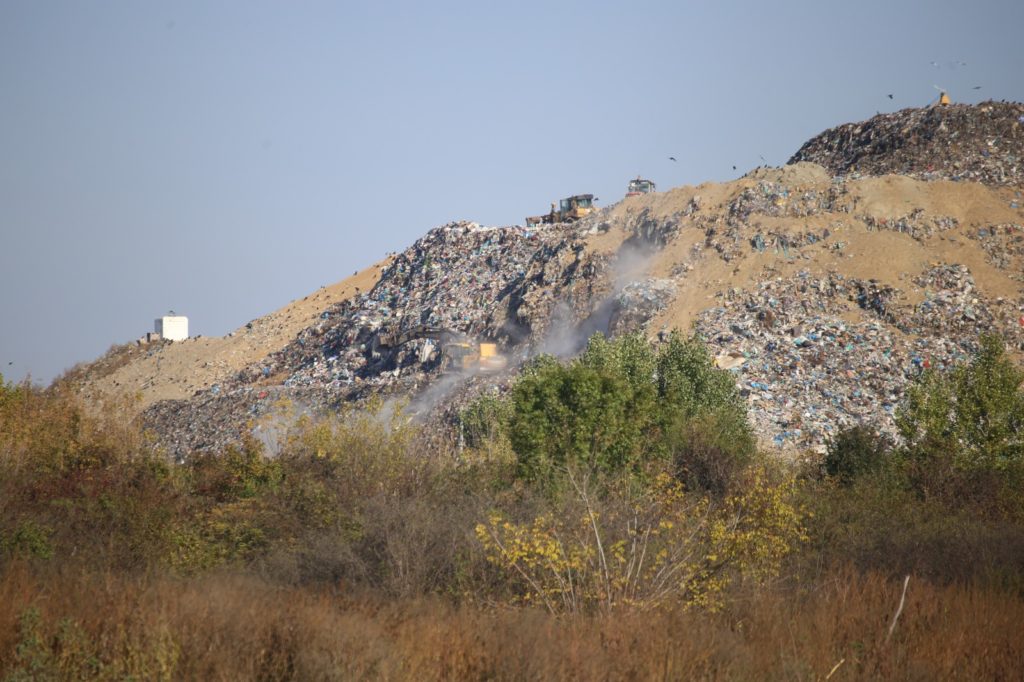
{"type": "Point", "coordinates": [620, 403]}
{"type": "Point", "coordinates": [973, 415]}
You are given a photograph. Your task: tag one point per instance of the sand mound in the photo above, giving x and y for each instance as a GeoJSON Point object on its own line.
{"type": "Point", "coordinates": [794, 174]}
{"type": "Point", "coordinates": [174, 371]}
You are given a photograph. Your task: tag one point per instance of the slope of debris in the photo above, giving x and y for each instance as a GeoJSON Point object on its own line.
{"type": "Point", "coordinates": [155, 371]}
{"type": "Point", "coordinates": [504, 285]}
{"type": "Point", "coordinates": [982, 143]}
{"type": "Point", "coordinates": [808, 370]}
{"type": "Point", "coordinates": [824, 294]}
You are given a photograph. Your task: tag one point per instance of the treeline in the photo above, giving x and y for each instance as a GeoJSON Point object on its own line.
{"type": "Point", "coordinates": [625, 483]}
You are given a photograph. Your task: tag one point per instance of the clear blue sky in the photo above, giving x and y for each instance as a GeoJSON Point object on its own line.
{"type": "Point", "coordinates": [224, 158]}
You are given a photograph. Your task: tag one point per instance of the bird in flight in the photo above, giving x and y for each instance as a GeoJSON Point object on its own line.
{"type": "Point", "coordinates": [734, 167]}
{"type": "Point", "coordinates": [890, 96]}
{"type": "Point", "coordinates": [976, 87]}
{"type": "Point", "coordinates": [671, 158]}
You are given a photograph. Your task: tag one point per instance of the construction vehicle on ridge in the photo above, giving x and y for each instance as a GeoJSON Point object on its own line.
{"type": "Point", "coordinates": [569, 210]}
{"type": "Point", "coordinates": [639, 186]}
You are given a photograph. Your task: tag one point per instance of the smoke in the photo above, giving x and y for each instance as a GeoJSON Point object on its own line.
{"type": "Point", "coordinates": [631, 262]}
{"type": "Point", "coordinates": [566, 338]}
{"type": "Point", "coordinates": [436, 393]}
{"type": "Point", "coordinates": [272, 428]}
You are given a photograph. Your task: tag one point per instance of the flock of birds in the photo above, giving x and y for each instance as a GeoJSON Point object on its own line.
{"type": "Point", "coordinates": [937, 65]}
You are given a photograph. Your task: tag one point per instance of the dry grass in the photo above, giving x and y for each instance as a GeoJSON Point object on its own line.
{"type": "Point", "coordinates": [231, 627]}
{"type": "Point", "coordinates": [352, 557]}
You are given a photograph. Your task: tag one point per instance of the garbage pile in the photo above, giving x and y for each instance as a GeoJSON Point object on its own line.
{"type": "Point", "coordinates": [806, 371]}
{"type": "Point", "coordinates": [497, 284]}
{"type": "Point", "coordinates": [778, 200]}
{"type": "Point", "coordinates": [982, 143]}
{"type": "Point", "coordinates": [638, 302]}
{"type": "Point", "coordinates": [1004, 246]}
{"type": "Point", "coordinates": [810, 353]}
{"type": "Point", "coordinates": [914, 224]}
{"type": "Point", "coordinates": [501, 285]}
{"type": "Point", "coordinates": [651, 230]}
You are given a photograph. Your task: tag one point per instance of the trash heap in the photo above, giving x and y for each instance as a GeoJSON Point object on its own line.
{"type": "Point", "coordinates": [638, 302]}
{"type": "Point", "coordinates": [485, 283]}
{"type": "Point", "coordinates": [811, 353]}
{"type": "Point", "coordinates": [779, 200]}
{"type": "Point", "coordinates": [915, 224]}
{"type": "Point", "coordinates": [807, 371]}
{"type": "Point", "coordinates": [1004, 247]}
{"type": "Point", "coordinates": [503, 285]}
{"type": "Point", "coordinates": [646, 228]}
{"type": "Point", "coordinates": [733, 233]}
{"type": "Point", "coordinates": [983, 143]}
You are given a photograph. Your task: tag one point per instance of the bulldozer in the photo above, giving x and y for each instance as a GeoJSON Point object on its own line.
{"type": "Point", "coordinates": [469, 356]}
{"type": "Point", "coordinates": [568, 210]}
{"type": "Point", "coordinates": [639, 186]}
{"type": "Point", "coordinates": [457, 352]}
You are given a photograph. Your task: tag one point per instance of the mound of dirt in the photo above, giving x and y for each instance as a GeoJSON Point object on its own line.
{"type": "Point", "coordinates": [151, 373]}
{"type": "Point", "coordinates": [824, 295]}
{"type": "Point", "coordinates": [982, 142]}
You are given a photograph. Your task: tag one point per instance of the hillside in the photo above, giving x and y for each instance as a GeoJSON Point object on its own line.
{"type": "Point", "coordinates": [825, 289]}
{"type": "Point", "coordinates": [176, 371]}
{"type": "Point", "coordinates": [981, 143]}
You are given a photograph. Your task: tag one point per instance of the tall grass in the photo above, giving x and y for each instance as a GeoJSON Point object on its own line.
{"type": "Point", "coordinates": [233, 627]}
{"type": "Point", "coordinates": [353, 555]}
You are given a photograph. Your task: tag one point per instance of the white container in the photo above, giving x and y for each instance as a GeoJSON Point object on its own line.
{"type": "Point", "coordinates": [172, 327]}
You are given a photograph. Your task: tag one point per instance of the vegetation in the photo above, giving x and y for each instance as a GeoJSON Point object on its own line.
{"type": "Point", "coordinates": [622, 403]}
{"type": "Point", "coordinates": [610, 517]}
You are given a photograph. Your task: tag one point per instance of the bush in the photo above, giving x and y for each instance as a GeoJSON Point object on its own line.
{"type": "Point", "coordinates": [856, 451]}
{"type": "Point", "coordinates": [973, 416]}
{"type": "Point", "coordinates": [622, 403]}
{"type": "Point", "coordinates": [644, 547]}
{"type": "Point", "coordinates": [578, 414]}
{"type": "Point", "coordinates": [711, 449]}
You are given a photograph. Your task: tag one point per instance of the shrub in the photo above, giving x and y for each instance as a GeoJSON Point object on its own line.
{"type": "Point", "coordinates": [712, 448]}
{"type": "Point", "coordinates": [856, 451]}
{"type": "Point", "coordinates": [644, 547]}
{"type": "Point", "coordinates": [578, 414]}
{"type": "Point", "coordinates": [973, 416]}
{"type": "Point", "coordinates": [622, 403]}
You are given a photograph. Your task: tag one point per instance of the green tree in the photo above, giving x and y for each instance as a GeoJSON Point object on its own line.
{"type": "Point", "coordinates": [621, 402]}
{"type": "Point", "coordinates": [973, 416]}
{"type": "Point", "coordinates": [577, 413]}
{"type": "Point", "coordinates": [855, 451]}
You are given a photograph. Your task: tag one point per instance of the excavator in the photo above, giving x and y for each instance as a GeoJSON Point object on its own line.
{"type": "Point", "coordinates": [458, 352]}
{"type": "Point", "coordinates": [639, 186]}
{"type": "Point", "coordinates": [569, 210]}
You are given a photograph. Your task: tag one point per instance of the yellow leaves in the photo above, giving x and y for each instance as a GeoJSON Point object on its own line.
{"type": "Point", "coordinates": [645, 549]}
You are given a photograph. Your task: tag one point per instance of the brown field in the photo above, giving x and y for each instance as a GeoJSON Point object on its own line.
{"type": "Point", "coordinates": [232, 627]}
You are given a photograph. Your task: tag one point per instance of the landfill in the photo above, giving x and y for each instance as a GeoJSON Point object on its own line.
{"type": "Point", "coordinates": [812, 347]}
{"type": "Point", "coordinates": [981, 143]}
{"type": "Point", "coordinates": [806, 370]}
{"type": "Point", "coordinates": [1004, 245]}
{"type": "Point", "coordinates": [500, 284]}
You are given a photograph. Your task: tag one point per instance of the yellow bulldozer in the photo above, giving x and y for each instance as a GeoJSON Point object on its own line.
{"type": "Point", "coordinates": [456, 351]}
{"type": "Point", "coordinates": [470, 356]}
{"type": "Point", "coordinates": [568, 210]}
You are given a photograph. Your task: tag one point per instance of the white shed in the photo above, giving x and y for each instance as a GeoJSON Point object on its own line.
{"type": "Point", "coordinates": [172, 327]}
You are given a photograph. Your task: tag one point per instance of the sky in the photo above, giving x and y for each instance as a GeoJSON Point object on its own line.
{"type": "Point", "coordinates": [224, 158]}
